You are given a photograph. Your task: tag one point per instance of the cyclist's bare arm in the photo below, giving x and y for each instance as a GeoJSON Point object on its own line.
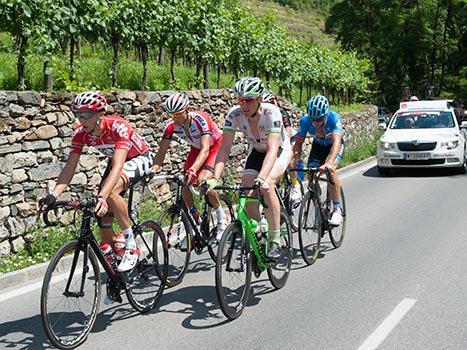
{"type": "Point", "coordinates": [203, 153]}
{"type": "Point", "coordinates": [160, 155]}
{"type": "Point", "coordinates": [66, 175]}
{"type": "Point", "coordinates": [223, 154]}
{"type": "Point", "coordinates": [336, 146]}
{"type": "Point", "coordinates": [274, 141]}
{"type": "Point", "coordinates": [297, 150]}
{"type": "Point", "coordinates": [117, 167]}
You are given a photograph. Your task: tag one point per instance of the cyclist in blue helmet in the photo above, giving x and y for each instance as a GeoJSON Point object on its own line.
{"type": "Point", "coordinates": [325, 127]}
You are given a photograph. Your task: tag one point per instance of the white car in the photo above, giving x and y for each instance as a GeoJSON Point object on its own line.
{"type": "Point", "coordinates": [423, 134]}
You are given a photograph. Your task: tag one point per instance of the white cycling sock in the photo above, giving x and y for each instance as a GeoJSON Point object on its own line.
{"type": "Point", "coordinates": [220, 214]}
{"type": "Point", "coordinates": [130, 242]}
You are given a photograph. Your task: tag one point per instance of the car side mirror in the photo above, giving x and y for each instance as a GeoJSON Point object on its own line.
{"type": "Point", "coordinates": [464, 124]}
{"type": "Point", "coordinates": [382, 126]}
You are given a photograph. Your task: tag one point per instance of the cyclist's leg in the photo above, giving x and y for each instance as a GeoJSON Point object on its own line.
{"type": "Point", "coordinates": [317, 158]}
{"type": "Point", "coordinates": [253, 165]}
{"type": "Point", "coordinates": [270, 197]}
{"type": "Point", "coordinates": [334, 190]}
{"type": "Point", "coordinates": [133, 171]}
{"type": "Point", "coordinates": [186, 194]}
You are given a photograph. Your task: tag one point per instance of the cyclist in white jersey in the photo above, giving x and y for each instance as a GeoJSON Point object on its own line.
{"type": "Point", "coordinates": [269, 151]}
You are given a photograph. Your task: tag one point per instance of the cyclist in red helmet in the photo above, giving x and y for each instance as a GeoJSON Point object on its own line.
{"type": "Point", "coordinates": [129, 160]}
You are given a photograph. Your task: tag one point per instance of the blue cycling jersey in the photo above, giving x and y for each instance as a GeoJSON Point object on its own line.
{"type": "Point", "coordinates": [332, 126]}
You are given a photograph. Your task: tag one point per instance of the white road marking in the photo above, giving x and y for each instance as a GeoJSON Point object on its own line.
{"type": "Point", "coordinates": [359, 170]}
{"type": "Point", "coordinates": [20, 291]}
{"type": "Point", "coordinates": [378, 336]}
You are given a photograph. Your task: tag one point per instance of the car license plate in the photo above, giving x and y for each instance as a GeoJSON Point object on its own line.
{"type": "Point", "coordinates": [416, 156]}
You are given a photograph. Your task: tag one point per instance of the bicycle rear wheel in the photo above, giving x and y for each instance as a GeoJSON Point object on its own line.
{"type": "Point", "coordinates": [70, 296]}
{"type": "Point", "coordinates": [310, 228]}
{"type": "Point", "coordinates": [233, 271]}
{"type": "Point", "coordinates": [230, 214]}
{"type": "Point", "coordinates": [145, 283]}
{"type": "Point", "coordinates": [336, 234]}
{"type": "Point", "coordinates": [176, 228]}
{"type": "Point", "coordinates": [279, 272]}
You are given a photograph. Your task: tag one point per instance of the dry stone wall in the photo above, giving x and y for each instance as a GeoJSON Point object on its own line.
{"type": "Point", "coordinates": [35, 132]}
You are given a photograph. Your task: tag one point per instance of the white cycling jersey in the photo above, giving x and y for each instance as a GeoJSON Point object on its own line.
{"type": "Point", "coordinates": [270, 122]}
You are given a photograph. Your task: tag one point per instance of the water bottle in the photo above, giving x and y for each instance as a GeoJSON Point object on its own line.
{"type": "Point", "coordinates": [300, 174]}
{"type": "Point", "coordinates": [106, 249]}
{"type": "Point", "coordinates": [194, 212]}
{"type": "Point", "coordinates": [263, 230]}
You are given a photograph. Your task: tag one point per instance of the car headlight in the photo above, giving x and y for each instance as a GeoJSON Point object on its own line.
{"type": "Point", "coordinates": [450, 144]}
{"type": "Point", "coordinates": [386, 146]}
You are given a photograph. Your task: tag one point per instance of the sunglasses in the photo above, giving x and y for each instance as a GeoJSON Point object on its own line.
{"type": "Point", "coordinates": [84, 115]}
{"type": "Point", "coordinates": [246, 100]}
{"type": "Point", "coordinates": [320, 120]}
{"type": "Point", "coordinates": [175, 115]}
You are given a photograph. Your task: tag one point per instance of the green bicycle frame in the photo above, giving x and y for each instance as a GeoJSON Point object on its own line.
{"type": "Point", "coordinates": [249, 227]}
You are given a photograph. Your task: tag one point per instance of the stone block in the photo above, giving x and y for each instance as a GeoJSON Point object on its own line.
{"type": "Point", "coordinates": [18, 175]}
{"type": "Point", "coordinates": [15, 110]}
{"type": "Point", "coordinates": [26, 209]}
{"type": "Point", "coordinates": [23, 159]}
{"type": "Point", "coordinates": [21, 123]}
{"type": "Point", "coordinates": [46, 132]}
{"type": "Point", "coordinates": [7, 200]}
{"type": "Point", "coordinates": [4, 179]}
{"type": "Point", "coordinates": [35, 145]}
{"type": "Point", "coordinates": [45, 171]}
{"type": "Point", "coordinates": [79, 179]}
{"type": "Point", "coordinates": [4, 213]}
{"type": "Point", "coordinates": [29, 98]}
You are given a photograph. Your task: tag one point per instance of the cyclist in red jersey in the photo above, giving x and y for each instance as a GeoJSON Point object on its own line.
{"type": "Point", "coordinates": [129, 160]}
{"type": "Point", "coordinates": [204, 137]}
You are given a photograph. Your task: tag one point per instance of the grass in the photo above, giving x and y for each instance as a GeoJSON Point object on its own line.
{"type": "Point", "coordinates": [307, 26]}
{"type": "Point", "coordinates": [362, 149]}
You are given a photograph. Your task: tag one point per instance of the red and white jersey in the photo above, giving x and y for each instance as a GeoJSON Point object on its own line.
{"type": "Point", "coordinates": [117, 134]}
{"type": "Point", "coordinates": [200, 124]}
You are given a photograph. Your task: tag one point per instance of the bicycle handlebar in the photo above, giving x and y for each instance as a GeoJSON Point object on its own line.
{"type": "Point", "coordinates": [84, 204]}
{"type": "Point", "coordinates": [314, 171]}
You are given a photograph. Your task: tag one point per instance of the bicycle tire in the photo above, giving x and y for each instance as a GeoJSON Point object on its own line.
{"type": "Point", "coordinates": [226, 205]}
{"type": "Point", "coordinates": [310, 228]}
{"type": "Point", "coordinates": [172, 224]}
{"type": "Point", "coordinates": [279, 272]}
{"type": "Point", "coordinates": [146, 282]}
{"type": "Point", "coordinates": [232, 300]}
{"type": "Point", "coordinates": [61, 268]}
{"type": "Point", "coordinates": [336, 234]}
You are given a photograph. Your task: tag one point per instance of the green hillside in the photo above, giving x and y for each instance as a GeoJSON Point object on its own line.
{"type": "Point", "coordinates": [306, 25]}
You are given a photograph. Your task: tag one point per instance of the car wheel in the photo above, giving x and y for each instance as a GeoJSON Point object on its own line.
{"type": "Point", "coordinates": [384, 171]}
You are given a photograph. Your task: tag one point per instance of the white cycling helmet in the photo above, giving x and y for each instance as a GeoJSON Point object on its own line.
{"type": "Point", "coordinates": [175, 103]}
{"type": "Point", "coordinates": [249, 87]}
{"type": "Point", "coordinates": [268, 97]}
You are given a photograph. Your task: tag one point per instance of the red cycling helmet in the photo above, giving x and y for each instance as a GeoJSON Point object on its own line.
{"type": "Point", "coordinates": [92, 100]}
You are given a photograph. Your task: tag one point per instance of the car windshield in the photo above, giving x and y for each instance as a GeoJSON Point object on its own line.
{"type": "Point", "coordinates": [422, 120]}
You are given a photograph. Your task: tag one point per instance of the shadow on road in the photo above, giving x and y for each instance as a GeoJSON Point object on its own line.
{"type": "Point", "coordinates": [401, 173]}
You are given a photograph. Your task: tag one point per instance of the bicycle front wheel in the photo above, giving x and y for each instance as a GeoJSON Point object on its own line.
{"type": "Point", "coordinates": [336, 233]}
{"type": "Point", "coordinates": [176, 228]}
{"type": "Point", "coordinates": [279, 272]}
{"type": "Point", "coordinates": [70, 296]}
{"type": "Point", "coordinates": [145, 283]}
{"type": "Point", "coordinates": [230, 216]}
{"type": "Point", "coordinates": [310, 228]}
{"type": "Point", "coordinates": [233, 271]}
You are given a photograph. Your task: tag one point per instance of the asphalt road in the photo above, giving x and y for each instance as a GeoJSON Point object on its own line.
{"type": "Point", "coordinates": [397, 282]}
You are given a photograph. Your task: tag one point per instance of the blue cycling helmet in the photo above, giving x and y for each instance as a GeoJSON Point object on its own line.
{"type": "Point", "coordinates": [318, 107]}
